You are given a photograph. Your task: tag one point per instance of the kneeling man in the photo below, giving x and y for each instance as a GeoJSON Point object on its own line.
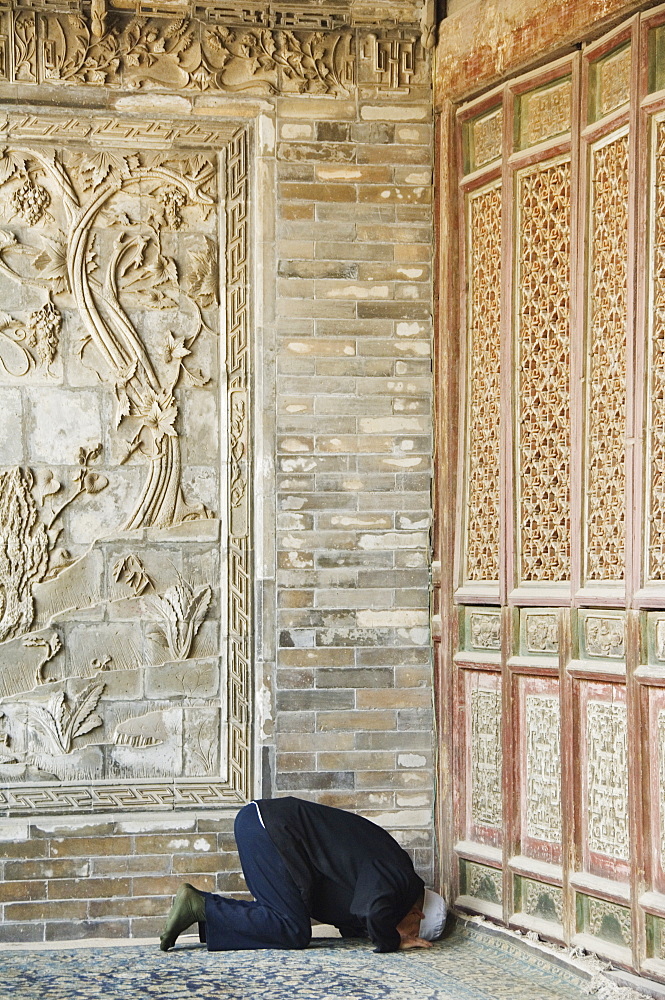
{"type": "Point", "coordinates": [305, 861]}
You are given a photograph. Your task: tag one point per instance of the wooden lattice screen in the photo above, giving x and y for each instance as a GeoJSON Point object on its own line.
{"type": "Point", "coordinates": [559, 578]}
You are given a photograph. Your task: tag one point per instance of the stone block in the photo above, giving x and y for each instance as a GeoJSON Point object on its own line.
{"type": "Point", "coordinates": [61, 421]}
{"type": "Point", "coordinates": [355, 721]}
{"type": "Point", "coordinates": [11, 440]}
{"type": "Point", "coordinates": [316, 700]}
{"type": "Point", "coordinates": [311, 780]}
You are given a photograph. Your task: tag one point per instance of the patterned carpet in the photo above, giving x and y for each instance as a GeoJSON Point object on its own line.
{"type": "Point", "coordinates": [470, 965]}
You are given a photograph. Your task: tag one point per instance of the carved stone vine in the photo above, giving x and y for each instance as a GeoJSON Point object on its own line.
{"type": "Point", "coordinates": [209, 52]}
{"type": "Point", "coordinates": [121, 276]}
{"type": "Point", "coordinates": [137, 272]}
{"type": "Point", "coordinates": [29, 532]}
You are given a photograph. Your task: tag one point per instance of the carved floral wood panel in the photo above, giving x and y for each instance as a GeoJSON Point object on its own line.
{"type": "Point", "coordinates": [113, 605]}
{"type": "Point", "coordinates": [606, 362]}
{"type": "Point", "coordinates": [656, 394]}
{"type": "Point", "coordinates": [484, 320]}
{"type": "Point", "coordinates": [543, 360]}
{"type": "Point", "coordinates": [555, 303]}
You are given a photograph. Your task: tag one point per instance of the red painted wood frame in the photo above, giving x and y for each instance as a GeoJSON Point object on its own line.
{"type": "Point", "coordinates": [581, 645]}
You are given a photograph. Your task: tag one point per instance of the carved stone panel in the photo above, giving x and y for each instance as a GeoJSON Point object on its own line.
{"type": "Point", "coordinates": [116, 687]}
{"type": "Point", "coordinates": [204, 47]}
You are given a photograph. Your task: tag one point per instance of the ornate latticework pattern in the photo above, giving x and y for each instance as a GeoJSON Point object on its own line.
{"type": "Point", "coordinates": [543, 357]}
{"type": "Point", "coordinates": [657, 381]}
{"type": "Point", "coordinates": [484, 318]}
{"type": "Point", "coordinates": [606, 401]}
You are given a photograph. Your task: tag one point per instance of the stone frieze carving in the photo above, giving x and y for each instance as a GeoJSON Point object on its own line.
{"type": "Point", "coordinates": [202, 53]}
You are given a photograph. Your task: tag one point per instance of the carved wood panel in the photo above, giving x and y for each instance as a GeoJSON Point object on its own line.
{"type": "Point", "coordinates": [606, 362]}
{"type": "Point", "coordinates": [542, 422]}
{"type": "Point", "coordinates": [484, 757]}
{"type": "Point", "coordinates": [553, 639]}
{"type": "Point", "coordinates": [118, 687]}
{"type": "Point", "coordinates": [483, 224]}
{"type": "Point", "coordinates": [540, 765]}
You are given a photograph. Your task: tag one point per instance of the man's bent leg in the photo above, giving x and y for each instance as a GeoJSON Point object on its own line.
{"type": "Point", "coordinates": [278, 918]}
{"type": "Point", "coordinates": [188, 908]}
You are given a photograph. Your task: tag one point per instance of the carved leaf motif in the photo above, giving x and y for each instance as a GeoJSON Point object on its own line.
{"type": "Point", "coordinates": [123, 406]}
{"type": "Point", "coordinates": [159, 411]}
{"type": "Point", "coordinates": [84, 718]}
{"type": "Point", "coordinates": [202, 278]}
{"type": "Point", "coordinates": [181, 610]}
{"type": "Point", "coordinates": [11, 162]}
{"type": "Point", "coordinates": [175, 349]}
{"type": "Point", "coordinates": [131, 571]}
{"type": "Point", "coordinates": [52, 263]}
{"type": "Point", "coordinates": [24, 552]}
{"type": "Point", "coordinates": [94, 168]}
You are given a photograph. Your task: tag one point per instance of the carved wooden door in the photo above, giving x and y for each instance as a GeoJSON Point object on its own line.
{"type": "Point", "coordinates": [558, 642]}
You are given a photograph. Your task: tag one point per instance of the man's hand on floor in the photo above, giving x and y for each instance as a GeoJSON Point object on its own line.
{"type": "Point", "coordinates": [413, 942]}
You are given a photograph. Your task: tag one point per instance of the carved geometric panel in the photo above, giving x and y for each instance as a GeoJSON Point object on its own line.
{"type": "Point", "coordinates": [485, 753]}
{"type": "Point", "coordinates": [484, 138]}
{"type": "Point", "coordinates": [656, 388]}
{"type": "Point", "coordinates": [543, 362]}
{"type": "Point", "coordinates": [115, 688]}
{"type": "Point", "coordinates": [483, 333]}
{"type": "Point", "coordinates": [611, 77]}
{"type": "Point", "coordinates": [606, 362]}
{"type": "Point", "coordinates": [607, 779]}
{"type": "Point", "coordinates": [545, 113]}
{"type": "Point", "coordinates": [543, 767]}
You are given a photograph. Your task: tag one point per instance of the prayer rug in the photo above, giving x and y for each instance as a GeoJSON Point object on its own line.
{"type": "Point", "coordinates": [469, 965]}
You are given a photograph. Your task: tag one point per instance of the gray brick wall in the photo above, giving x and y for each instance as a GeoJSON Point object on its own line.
{"type": "Point", "coordinates": [343, 425]}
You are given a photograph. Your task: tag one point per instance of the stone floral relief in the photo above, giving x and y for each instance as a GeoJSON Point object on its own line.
{"type": "Point", "coordinates": [126, 243]}
{"type": "Point", "coordinates": [107, 48]}
{"type": "Point", "coordinates": [183, 53]}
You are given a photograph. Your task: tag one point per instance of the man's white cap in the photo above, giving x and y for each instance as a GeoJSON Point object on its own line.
{"type": "Point", "coordinates": [434, 908]}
